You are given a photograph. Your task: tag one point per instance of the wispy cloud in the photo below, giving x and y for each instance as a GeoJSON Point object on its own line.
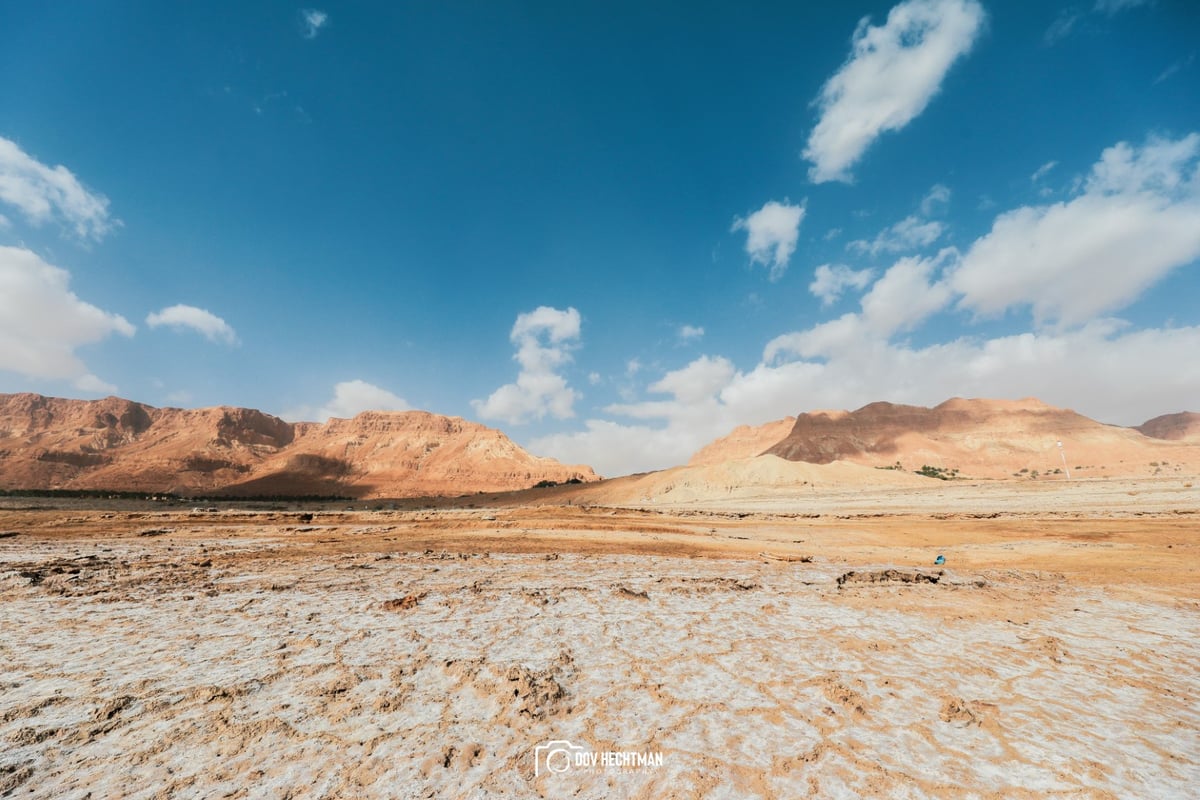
{"type": "Point", "coordinates": [936, 199]}
{"type": "Point", "coordinates": [314, 20]}
{"type": "Point", "coordinates": [690, 333]}
{"type": "Point", "coordinates": [1175, 67]}
{"type": "Point", "coordinates": [42, 193]}
{"type": "Point", "coordinates": [43, 323]}
{"type": "Point", "coordinates": [184, 317]}
{"type": "Point", "coordinates": [771, 235]}
{"type": "Point", "coordinates": [894, 70]}
{"type": "Point", "coordinates": [544, 339]}
{"type": "Point", "coordinates": [831, 280]}
{"type": "Point", "coordinates": [1041, 171]}
{"type": "Point", "coordinates": [910, 233]}
{"type": "Point", "coordinates": [1113, 6]}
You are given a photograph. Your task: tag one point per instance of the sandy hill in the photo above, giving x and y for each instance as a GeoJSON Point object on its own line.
{"type": "Point", "coordinates": [765, 476]}
{"type": "Point", "coordinates": [983, 439]}
{"type": "Point", "coordinates": [118, 444]}
{"type": "Point", "coordinates": [1184, 426]}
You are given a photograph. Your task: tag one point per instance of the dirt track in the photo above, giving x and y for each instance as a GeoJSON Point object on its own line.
{"type": "Point", "coordinates": [428, 653]}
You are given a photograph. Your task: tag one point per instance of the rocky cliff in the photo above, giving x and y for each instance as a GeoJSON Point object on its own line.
{"type": "Point", "coordinates": [117, 444]}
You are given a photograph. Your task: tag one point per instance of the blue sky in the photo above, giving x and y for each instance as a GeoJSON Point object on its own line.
{"type": "Point", "coordinates": [613, 230]}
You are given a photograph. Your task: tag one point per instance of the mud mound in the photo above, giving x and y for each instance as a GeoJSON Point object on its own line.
{"type": "Point", "coordinates": [888, 576]}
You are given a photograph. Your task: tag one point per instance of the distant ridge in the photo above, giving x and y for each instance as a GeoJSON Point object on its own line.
{"type": "Point", "coordinates": [979, 438]}
{"type": "Point", "coordinates": [118, 444]}
{"type": "Point", "coordinates": [1184, 426]}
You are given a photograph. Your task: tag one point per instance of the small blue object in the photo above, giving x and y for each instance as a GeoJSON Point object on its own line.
{"type": "Point", "coordinates": [941, 559]}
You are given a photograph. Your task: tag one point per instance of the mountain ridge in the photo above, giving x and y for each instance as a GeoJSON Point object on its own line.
{"type": "Point", "coordinates": [119, 444]}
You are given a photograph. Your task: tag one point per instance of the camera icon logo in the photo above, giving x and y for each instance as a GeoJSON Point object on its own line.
{"type": "Point", "coordinates": [557, 756]}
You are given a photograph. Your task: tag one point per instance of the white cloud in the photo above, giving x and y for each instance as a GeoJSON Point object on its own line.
{"type": "Point", "coordinates": [894, 70]}
{"type": "Point", "coordinates": [42, 193]}
{"type": "Point", "coordinates": [831, 280]}
{"type": "Point", "coordinates": [1137, 219]}
{"type": "Point", "coordinates": [910, 233]}
{"type": "Point", "coordinates": [544, 338]}
{"type": "Point", "coordinates": [1103, 370]}
{"type": "Point", "coordinates": [356, 396]}
{"type": "Point", "coordinates": [313, 21]}
{"type": "Point", "coordinates": [937, 198]}
{"type": "Point", "coordinates": [1041, 171]}
{"type": "Point", "coordinates": [42, 322]}
{"type": "Point", "coordinates": [771, 235]}
{"type": "Point", "coordinates": [689, 333]}
{"type": "Point", "coordinates": [183, 317]}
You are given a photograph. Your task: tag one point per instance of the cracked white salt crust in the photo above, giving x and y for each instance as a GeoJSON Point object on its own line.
{"type": "Point", "coordinates": [146, 677]}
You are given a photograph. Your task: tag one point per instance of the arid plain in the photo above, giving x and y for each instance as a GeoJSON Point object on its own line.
{"type": "Point", "coordinates": [790, 644]}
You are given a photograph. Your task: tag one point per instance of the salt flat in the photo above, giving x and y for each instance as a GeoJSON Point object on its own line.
{"type": "Point", "coordinates": [429, 654]}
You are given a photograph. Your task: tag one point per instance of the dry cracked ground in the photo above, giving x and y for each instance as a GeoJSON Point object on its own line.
{"type": "Point", "coordinates": [413, 654]}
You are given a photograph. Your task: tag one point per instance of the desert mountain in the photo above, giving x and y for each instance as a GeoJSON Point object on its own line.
{"type": "Point", "coordinates": [118, 444]}
{"type": "Point", "coordinates": [744, 441]}
{"type": "Point", "coordinates": [1184, 426]}
{"type": "Point", "coordinates": [985, 439]}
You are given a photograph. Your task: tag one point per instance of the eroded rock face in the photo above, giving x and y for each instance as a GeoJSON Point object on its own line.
{"type": "Point", "coordinates": [992, 439]}
{"type": "Point", "coordinates": [116, 444]}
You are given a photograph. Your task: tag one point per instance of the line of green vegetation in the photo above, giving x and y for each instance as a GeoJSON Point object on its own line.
{"type": "Point", "coordinates": [941, 473]}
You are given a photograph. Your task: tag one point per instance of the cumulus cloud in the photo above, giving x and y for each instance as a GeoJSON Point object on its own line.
{"type": "Point", "coordinates": [43, 323]}
{"type": "Point", "coordinates": [544, 339]}
{"type": "Point", "coordinates": [771, 235]}
{"type": "Point", "coordinates": [1137, 219]}
{"type": "Point", "coordinates": [1103, 369]}
{"type": "Point", "coordinates": [831, 280]}
{"type": "Point", "coordinates": [314, 21]}
{"type": "Point", "coordinates": [356, 396]}
{"type": "Point", "coordinates": [183, 317]}
{"type": "Point", "coordinates": [894, 70]}
{"type": "Point", "coordinates": [688, 333]}
{"type": "Point", "coordinates": [42, 193]}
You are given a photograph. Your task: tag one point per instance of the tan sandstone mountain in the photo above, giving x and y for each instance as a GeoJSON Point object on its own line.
{"type": "Point", "coordinates": [979, 439]}
{"type": "Point", "coordinates": [744, 441]}
{"type": "Point", "coordinates": [117, 444]}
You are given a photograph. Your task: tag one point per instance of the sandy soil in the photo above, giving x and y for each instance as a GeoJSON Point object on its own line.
{"type": "Point", "coordinates": [779, 647]}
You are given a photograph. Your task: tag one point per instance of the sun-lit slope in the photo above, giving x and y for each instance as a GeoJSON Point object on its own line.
{"type": "Point", "coordinates": [744, 441]}
{"type": "Point", "coordinates": [765, 476]}
{"type": "Point", "coordinates": [408, 453]}
{"type": "Point", "coordinates": [983, 439]}
{"type": "Point", "coordinates": [116, 444]}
